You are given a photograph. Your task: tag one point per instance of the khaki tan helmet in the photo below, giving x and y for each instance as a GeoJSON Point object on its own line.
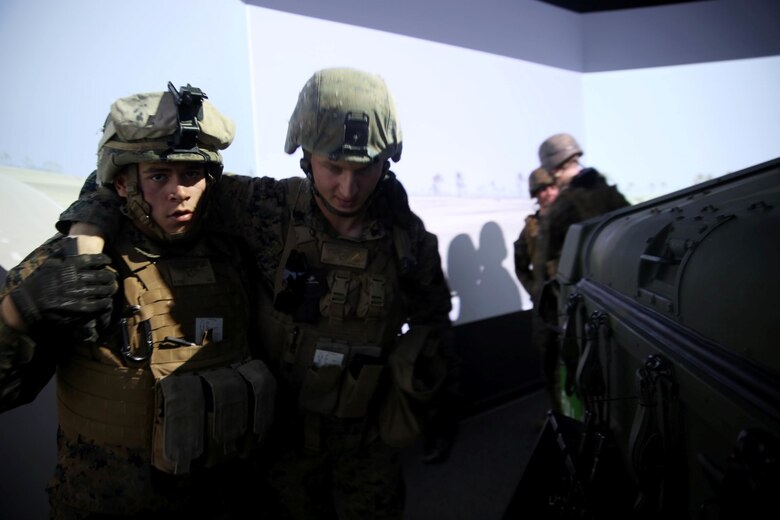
{"type": "Point", "coordinates": [558, 149]}
{"type": "Point", "coordinates": [345, 114]}
{"type": "Point", "coordinates": [538, 180]}
{"type": "Point", "coordinates": [177, 125]}
{"type": "Point", "coordinates": [163, 126]}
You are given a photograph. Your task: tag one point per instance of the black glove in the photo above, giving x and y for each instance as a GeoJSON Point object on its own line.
{"type": "Point", "coordinates": [67, 291]}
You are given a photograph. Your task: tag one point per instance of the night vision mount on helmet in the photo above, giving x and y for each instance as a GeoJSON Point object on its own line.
{"type": "Point", "coordinates": [345, 114]}
{"type": "Point", "coordinates": [177, 125]}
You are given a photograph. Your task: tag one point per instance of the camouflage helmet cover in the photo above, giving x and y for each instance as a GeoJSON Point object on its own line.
{"type": "Point", "coordinates": [139, 129]}
{"type": "Point", "coordinates": [538, 180]}
{"type": "Point", "coordinates": [345, 114]}
{"type": "Point", "coordinates": [556, 150]}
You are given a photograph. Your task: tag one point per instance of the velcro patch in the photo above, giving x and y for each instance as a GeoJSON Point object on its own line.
{"type": "Point", "coordinates": [191, 271]}
{"type": "Point", "coordinates": [345, 255]}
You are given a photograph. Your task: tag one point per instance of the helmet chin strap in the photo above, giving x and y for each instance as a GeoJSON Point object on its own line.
{"type": "Point", "coordinates": [306, 167]}
{"type": "Point", "coordinates": [335, 211]}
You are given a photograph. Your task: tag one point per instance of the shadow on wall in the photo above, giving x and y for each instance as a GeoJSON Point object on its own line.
{"type": "Point", "coordinates": [477, 278]}
{"type": "Point", "coordinates": [492, 338]}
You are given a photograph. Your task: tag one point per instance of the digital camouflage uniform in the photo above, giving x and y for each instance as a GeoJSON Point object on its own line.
{"type": "Point", "coordinates": [586, 196]}
{"type": "Point", "coordinates": [350, 446]}
{"type": "Point", "coordinates": [545, 339]}
{"type": "Point", "coordinates": [526, 254]}
{"type": "Point", "coordinates": [335, 447]}
{"type": "Point", "coordinates": [159, 409]}
{"type": "Point", "coordinates": [94, 476]}
{"type": "Point", "coordinates": [370, 473]}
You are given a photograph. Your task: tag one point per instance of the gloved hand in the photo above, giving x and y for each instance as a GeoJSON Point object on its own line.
{"type": "Point", "coordinates": [67, 292]}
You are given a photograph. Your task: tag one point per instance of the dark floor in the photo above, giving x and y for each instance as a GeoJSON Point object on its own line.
{"type": "Point", "coordinates": [478, 479]}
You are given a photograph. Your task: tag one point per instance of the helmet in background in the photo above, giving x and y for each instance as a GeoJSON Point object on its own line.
{"type": "Point", "coordinates": [538, 180]}
{"type": "Point", "coordinates": [558, 149]}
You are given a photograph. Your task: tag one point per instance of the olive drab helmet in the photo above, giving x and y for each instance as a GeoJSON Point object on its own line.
{"type": "Point", "coordinates": [538, 180]}
{"type": "Point", "coordinates": [177, 125]}
{"type": "Point", "coordinates": [558, 149]}
{"type": "Point", "coordinates": [345, 114]}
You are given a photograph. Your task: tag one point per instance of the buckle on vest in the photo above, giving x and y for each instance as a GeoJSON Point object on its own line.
{"type": "Point", "coordinates": [338, 294]}
{"type": "Point", "coordinates": [146, 333]}
{"type": "Point", "coordinates": [376, 298]}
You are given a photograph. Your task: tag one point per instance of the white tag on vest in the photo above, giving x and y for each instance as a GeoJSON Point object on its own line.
{"type": "Point", "coordinates": [210, 328]}
{"type": "Point", "coordinates": [324, 358]}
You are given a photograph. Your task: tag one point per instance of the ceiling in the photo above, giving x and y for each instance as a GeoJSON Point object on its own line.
{"type": "Point", "coordinates": [576, 35]}
{"type": "Point", "coordinates": [592, 6]}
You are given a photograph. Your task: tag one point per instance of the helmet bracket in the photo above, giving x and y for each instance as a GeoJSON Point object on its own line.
{"type": "Point", "coordinates": [355, 136]}
{"type": "Point", "coordinates": [189, 102]}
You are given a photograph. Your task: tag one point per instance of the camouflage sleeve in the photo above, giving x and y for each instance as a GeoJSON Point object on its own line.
{"type": "Point", "coordinates": [428, 299]}
{"type": "Point", "coordinates": [618, 199]}
{"type": "Point", "coordinates": [523, 262]}
{"type": "Point", "coordinates": [96, 205]}
{"type": "Point", "coordinates": [24, 369]}
{"type": "Point", "coordinates": [426, 292]}
{"type": "Point", "coordinates": [252, 209]}
{"type": "Point", "coordinates": [561, 215]}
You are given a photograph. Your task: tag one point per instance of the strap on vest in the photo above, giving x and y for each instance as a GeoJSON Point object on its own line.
{"type": "Point", "coordinates": [375, 301]}
{"type": "Point", "coordinates": [338, 295]}
{"type": "Point", "coordinates": [178, 434]}
{"type": "Point", "coordinates": [263, 385]}
{"type": "Point", "coordinates": [227, 419]}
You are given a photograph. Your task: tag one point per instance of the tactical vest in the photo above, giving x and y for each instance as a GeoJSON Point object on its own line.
{"type": "Point", "coordinates": [176, 378]}
{"type": "Point", "coordinates": [531, 236]}
{"type": "Point", "coordinates": [532, 229]}
{"type": "Point", "coordinates": [336, 312]}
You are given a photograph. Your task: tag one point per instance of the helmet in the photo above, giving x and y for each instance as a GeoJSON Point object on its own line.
{"type": "Point", "coordinates": [345, 114]}
{"type": "Point", "coordinates": [163, 126]}
{"type": "Point", "coordinates": [538, 180]}
{"type": "Point", "coordinates": [556, 150]}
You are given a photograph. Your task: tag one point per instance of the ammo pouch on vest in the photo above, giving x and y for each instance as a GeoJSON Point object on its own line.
{"type": "Point", "coordinates": [342, 379]}
{"type": "Point", "coordinates": [210, 416]}
{"type": "Point", "coordinates": [418, 373]}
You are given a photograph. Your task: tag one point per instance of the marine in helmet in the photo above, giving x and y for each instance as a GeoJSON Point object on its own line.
{"type": "Point", "coordinates": [530, 272]}
{"type": "Point", "coordinates": [584, 193]}
{"type": "Point", "coordinates": [343, 265]}
{"type": "Point", "coordinates": [542, 187]}
{"type": "Point", "coordinates": [559, 154]}
{"type": "Point", "coordinates": [346, 124]}
{"type": "Point", "coordinates": [158, 395]}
